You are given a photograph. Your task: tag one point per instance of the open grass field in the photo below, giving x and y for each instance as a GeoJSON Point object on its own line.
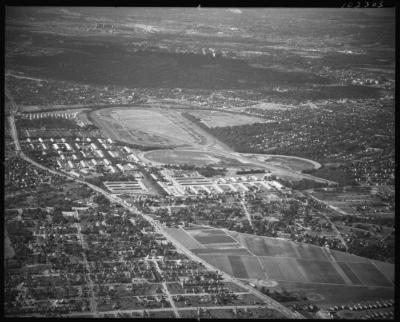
{"type": "Point", "coordinates": [386, 268]}
{"type": "Point", "coordinates": [265, 246]}
{"type": "Point", "coordinates": [238, 268]}
{"type": "Point", "coordinates": [272, 269]}
{"type": "Point", "coordinates": [282, 260]}
{"type": "Point", "coordinates": [221, 262]}
{"type": "Point", "coordinates": [305, 269]}
{"type": "Point", "coordinates": [320, 272]}
{"type": "Point", "coordinates": [214, 232]}
{"type": "Point", "coordinates": [221, 251]}
{"type": "Point", "coordinates": [255, 245]}
{"type": "Point", "coordinates": [254, 267]}
{"type": "Point", "coordinates": [215, 239]}
{"type": "Point", "coordinates": [195, 227]}
{"type": "Point", "coordinates": [181, 157]}
{"type": "Point", "coordinates": [220, 119]}
{"type": "Point", "coordinates": [211, 236]}
{"type": "Point", "coordinates": [339, 294]}
{"type": "Point", "coordinates": [350, 274]}
{"type": "Point", "coordinates": [184, 238]}
{"type": "Point", "coordinates": [291, 270]}
{"type": "Point", "coordinates": [369, 274]}
{"type": "Point", "coordinates": [344, 257]}
{"type": "Point", "coordinates": [312, 252]}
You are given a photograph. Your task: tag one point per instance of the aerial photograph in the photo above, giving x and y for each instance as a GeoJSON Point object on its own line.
{"type": "Point", "coordinates": [199, 163]}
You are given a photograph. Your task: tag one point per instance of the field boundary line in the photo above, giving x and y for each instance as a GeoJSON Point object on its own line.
{"type": "Point", "coordinates": [372, 262]}
{"type": "Point", "coordinates": [342, 273]}
{"type": "Point", "coordinates": [263, 268]}
{"type": "Point", "coordinates": [337, 267]}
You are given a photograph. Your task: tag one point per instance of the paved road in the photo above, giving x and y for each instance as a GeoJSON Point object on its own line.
{"type": "Point", "coordinates": [166, 291]}
{"type": "Point", "coordinates": [171, 300]}
{"type": "Point", "coordinates": [93, 302]}
{"type": "Point", "coordinates": [338, 234]}
{"type": "Point", "coordinates": [243, 202]}
{"type": "Point", "coordinates": [227, 307]}
{"type": "Point", "coordinates": [14, 133]}
{"type": "Point", "coordinates": [272, 303]}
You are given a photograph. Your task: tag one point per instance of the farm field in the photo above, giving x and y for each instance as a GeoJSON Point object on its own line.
{"type": "Point", "coordinates": [214, 232]}
{"type": "Point", "coordinates": [238, 268]}
{"type": "Point", "coordinates": [224, 251]}
{"type": "Point", "coordinates": [265, 246]}
{"type": "Point", "coordinates": [369, 274]}
{"type": "Point", "coordinates": [253, 267]}
{"type": "Point", "coordinates": [214, 239]}
{"type": "Point", "coordinates": [184, 238]}
{"type": "Point", "coordinates": [272, 269]}
{"type": "Point", "coordinates": [221, 262]}
{"type": "Point", "coordinates": [220, 119]}
{"type": "Point", "coordinates": [343, 257]}
{"type": "Point", "coordinates": [386, 268]}
{"type": "Point", "coordinates": [212, 236]}
{"type": "Point", "coordinates": [349, 273]}
{"type": "Point", "coordinates": [286, 261]}
{"type": "Point", "coordinates": [320, 272]}
{"type": "Point", "coordinates": [291, 270]}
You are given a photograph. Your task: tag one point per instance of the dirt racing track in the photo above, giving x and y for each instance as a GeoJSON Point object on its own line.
{"type": "Point", "coordinates": [151, 127]}
{"type": "Point", "coordinates": [167, 128]}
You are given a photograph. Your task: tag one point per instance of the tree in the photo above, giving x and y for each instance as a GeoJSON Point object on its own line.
{"type": "Point", "coordinates": [101, 200]}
